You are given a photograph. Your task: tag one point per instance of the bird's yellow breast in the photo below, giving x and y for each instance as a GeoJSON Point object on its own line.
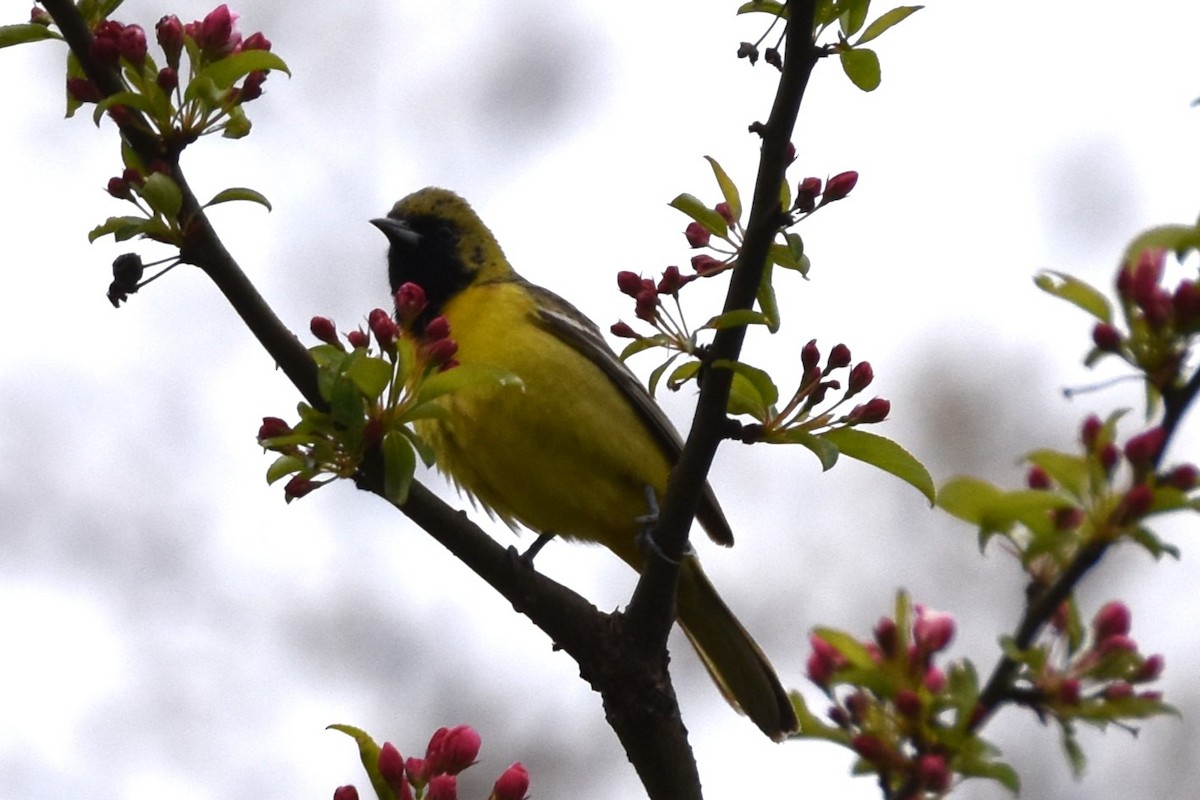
{"type": "Point", "coordinates": [563, 452]}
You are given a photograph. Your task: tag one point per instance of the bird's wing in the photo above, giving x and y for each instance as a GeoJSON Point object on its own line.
{"type": "Point", "coordinates": [567, 323]}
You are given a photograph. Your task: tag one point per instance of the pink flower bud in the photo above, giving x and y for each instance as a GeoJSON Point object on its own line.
{"type": "Point", "coordinates": [410, 302]}
{"type": "Point", "coordinates": [908, 702]}
{"type": "Point", "coordinates": [1109, 455]}
{"type": "Point", "coordinates": [1149, 670]}
{"type": "Point", "coordinates": [1070, 692]}
{"type": "Point", "coordinates": [806, 194]}
{"type": "Point", "coordinates": [119, 188]}
{"type": "Point", "coordinates": [697, 235]}
{"type": "Point", "coordinates": [272, 427]}
{"type": "Point", "coordinates": [860, 378]}
{"type": "Point", "coordinates": [1117, 690]}
{"type": "Point", "coordinates": [933, 772]}
{"type": "Point", "coordinates": [932, 630]}
{"type": "Point", "coordinates": [672, 281]}
{"type": "Point", "coordinates": [725, 211]}
{"type": "Point", "coordinates": [512, 784]}
{"type": "Point", "coordinates": [170, 38]}
{"type": "Point", "coordinates": [297, 487]}
{"type": "Point", "coordinates": [839, 357]}
{"type": "Point", "coordinates": [1137, 502]}
{"type": "Point", "coordinates": [390, 764]}
{"type": "Point", "coordinates": [810, 356]}
{"type": "Point", "coordinates": [441, 353]}
{"type": "Point", "coordinates": [384, 328]}
{"type": "Point", "coordinates": [105, 48]}
{"type": "Point", "coordinates": [705, 265]}
{"type": "Point", "coordinates": [40, 16]}
{"type": "Point", "coordinates": [256, 41]}
{"type": "Point", "coordinates": [1143, 449]}
{"type": "Point", "coordinates": [347, 792]}
{"type": "Point", "coordinates": [417, 770]}
{"type": "Point", "coordinates": [1113, 619]}
{"type": "Point", "coordinates": [168, 79]}
{"type": "Point", "coordinates": [324, 330]}
{"type": "Point", "coordinates": [885, 636]}
{"type": "Point", "coordinates": [1146, 274]}
{"type": "Point", "coordinates": [358, 338]}
{"type": "Point", "coordinates": [1037, 478]}
{"type": "Point", "coordinates": [1117, 644]}
{"type": "Point", "coordinates": [824, 661]}
{"type": "Point", "coordinates": [1106, 337]}
{"type": "Point", "coordinates": [839, 186]}
{"type": "Point", "coordinates": [452, 750]}
{"type": "Point", "coordinates": [646, 306]}
{"type": "Point", "coordinates": [216, 35]}
{"type": "Point", "coordinates": [623, 330]}
{"type": "Point", "coordinates": [252, 86]}
{"type": "Point", "coordinates": [83, 90]}
{"type": "Point", "coordinates": [872, 411]}
{"type": "Point", "coordinates": [1184, 477]}
{"type": "Point", "coordinates": [869, 746]}
{"type": "Point", "coordinates": [1067, 519]}
{"type": "Point", "coordinates": [442, 787]}
{"type": "Point", "coordinates": [437, 328]}
{"type": "Point", "coordinates": [131, 45]}
{"type": "Point", "coordinates": [1089, 433]}
{"type": "Point", "coordinates": [630, 283]}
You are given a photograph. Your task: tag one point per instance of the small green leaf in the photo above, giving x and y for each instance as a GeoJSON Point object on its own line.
{"type": "Point", "coordinates": [231, 69]}
{"type": "Point", "coordinates": [25, 32]}
{"type": "Point", "coordinates": [122, 228]}
{"type": "Point", "coordinates": [764, 6]}
{"type": "Point", "coordinates": [424, 451]}
{"type": "Point", "coordinates": [862, 68]}
{"type": "Point", "coordinates": [766, 298]}
{"type": "Point", "coordinates": [811, 726]}
{"type": "Point", "coordinates": [682, 374]}
{"type": "Point", "coordinates": [282, 467]}
{"type": "Point", "coordinates": [885, 21]}
{"type": "Point", "coordinates": [162, 194]}
{"type": "Point", "coordinates": [709, 219]}
{"type": "Point", "coordinates": [825, 450]}
{"type": "Point", "coordinates": [732, 319]}
{"type": "Point", "coordinates": [369, 375]}
{"type": "Point", "coordinates": [729, 189]}
{"type": "Point", "coordinates": [826, 12]}
{"type": "Point", "coordinates": [885, 454]}
{"type": "Point", "coordinates": [1076, 292]}
{"type": "Point", "coordinates": [368, 752]}
{"type": "Point", "coordinates": [657, 373]}
{"type": "Point", "coordinates": [849, 646]}
{"type": "Point", "coordinates": [399, 466]}
{"type": "Point", "coordinates": [853, 16]}
{"type": "Point", "coordinates": [1069, 471]}
{"type": "Point", "coordinates": [1176, 238]}
{"type": "Point", "coordinates": [759, 381]}
{"type": "Point", "coordinates": [239, 193]}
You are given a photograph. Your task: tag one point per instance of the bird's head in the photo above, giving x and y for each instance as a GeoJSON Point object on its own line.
{"type": "Point", "coordinates": [439, 243]}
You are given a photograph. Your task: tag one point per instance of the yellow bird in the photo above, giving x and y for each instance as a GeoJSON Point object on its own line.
{"type": "Point", "coordinates": [572, 450]}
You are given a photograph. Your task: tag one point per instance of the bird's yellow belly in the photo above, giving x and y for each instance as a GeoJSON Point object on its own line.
{"type": "Point", "coordinates": [564, 452]}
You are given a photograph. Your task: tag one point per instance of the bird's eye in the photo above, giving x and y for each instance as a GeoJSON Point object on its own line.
{"type": "Point", "coordinates": [445, 234]}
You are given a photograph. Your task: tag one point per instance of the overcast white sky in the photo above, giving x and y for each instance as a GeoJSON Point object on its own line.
{"type": "Point", "coordinates": [174, 630]}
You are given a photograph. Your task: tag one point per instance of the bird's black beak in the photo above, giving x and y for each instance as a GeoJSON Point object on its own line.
{"type": "Point", "coordinates": [397, 231]}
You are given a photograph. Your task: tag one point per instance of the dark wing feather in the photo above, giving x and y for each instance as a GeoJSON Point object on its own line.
{"type": "Point", "coordinates": [567, 323]}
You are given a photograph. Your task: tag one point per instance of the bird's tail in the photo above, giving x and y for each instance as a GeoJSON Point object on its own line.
{"type": "Point", "coordinates": [737, 665]}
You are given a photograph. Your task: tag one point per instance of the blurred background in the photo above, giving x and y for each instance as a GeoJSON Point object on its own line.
{"type": "Point", "coordinates": [172, 629]}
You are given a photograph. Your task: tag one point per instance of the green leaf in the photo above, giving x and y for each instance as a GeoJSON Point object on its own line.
{"type": "Point", "coordinates": [682, 374]}
{"type": "Point", "coordinates": [886, 21]}
{"type": "Point", "coordinates": [825, 450]}
{"type": "Point", "coordinates": [657, 373]}
{"type": "Point", "coordinates": [1155, 546]}
{"type": "Point", "coordinates": [134, 100]}
{"type": "Point", "coordinates": [122, 228]}
{"type": "Point", "coordinates": [370, 375]}
{"type": "Point", "coordinates": [732, 319]}
{"type": "Point", "coordinates": [399, 466]}
{"type": "Point", "coordinates": [239, 193]}
{"type": "Point", "coordinates": [368, 752]}
{"type": "Point", "coordinates": [811, 726]}
{"type": "Point", "coordinates": [862, 68]}
{"type": "Point", "coordinates": [25, 32]}
{"type": "Point", "coordinates": [1176, 238]}
{"type": "Point", "coordinates": [997, 771]}
{"type": "Point", "coordinates": [709, 219]}
{"type": "Point", "coordinates": [755, 385]}
{"type": "Point", "coordinates": [1076, 292]}
{"type": "Point", "coordinates": [231, 69]}
{"type": "Point", "coordinates": [826, 12]}
{"type": "Point", "coordinates": [1074, 752]}
{"type": "Point", "coordinates": [424, 451]}
{"type": "Point", "coordinates": [729, 189]}
{"type": "Point", "coordinates": [767, 300]}
{"type": "Point", "coordinates": [282, 467]}
{"type": "Point", "coordinates": [645, 343]}
{"type": "Point", "coordinates": [765, 6]}
{"type": "Point", "coordinates": [881, 452]}
{"type": "Point", "coordinates": [853, 16]}
{"type": "Point", "coordinates": [1071, 472]}
{"type": "Point", "coordinates": [162, 194]}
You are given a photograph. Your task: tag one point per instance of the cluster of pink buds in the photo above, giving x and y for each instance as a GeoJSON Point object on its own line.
{"type": "Point", "coordinates": [816, 384]}
{"type": "Point", "coordinates": [892, 697]}
{"type": "Point", "coordinates": [1107, 670]}
{"type": "Point", "coordinates": [810, 197]}
{"type": "Point", "coordinates": [435, 777]}
{"type": "Point", "coordinates": [646, 296]}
